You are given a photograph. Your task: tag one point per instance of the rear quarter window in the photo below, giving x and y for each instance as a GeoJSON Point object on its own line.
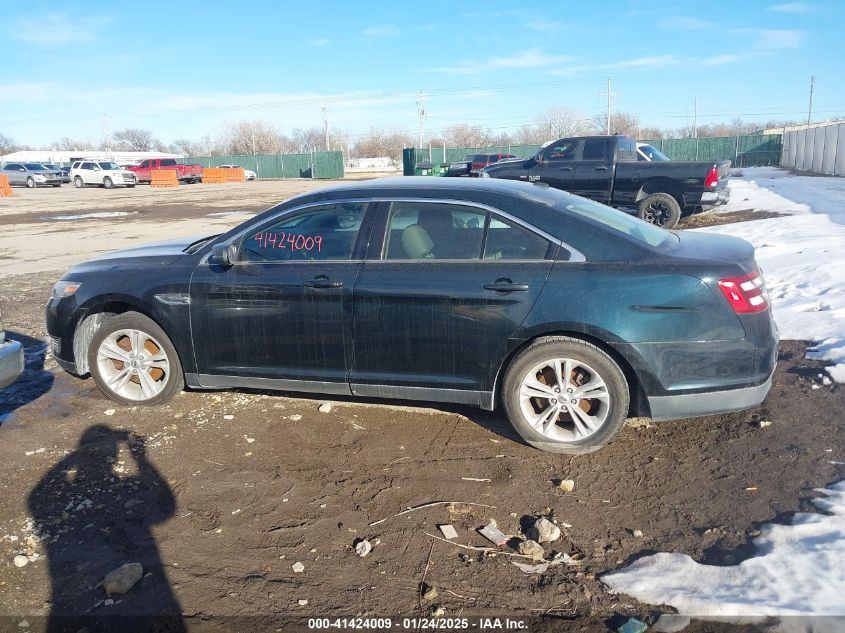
{"type": "Point", "coordinates": [634, 228]}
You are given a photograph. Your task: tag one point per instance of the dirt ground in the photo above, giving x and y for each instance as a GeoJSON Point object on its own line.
{"type": "Point", "coordinates": [219, 494]}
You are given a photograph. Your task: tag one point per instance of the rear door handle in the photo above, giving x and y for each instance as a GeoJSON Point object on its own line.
{"type": "Point", "coordinates": [323, 282]}
{"type": "Point", "coordinates": [601, 168]}
{"type": "Point", "coordinates": [506, 285]}
{"type": "Point", "coordinates": [565, 169]}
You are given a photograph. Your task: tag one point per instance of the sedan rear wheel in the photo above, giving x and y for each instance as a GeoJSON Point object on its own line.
{"type": "Point", "coordinates": [565, 395]}
{"type": "Point", "coordinates": [133, 361]}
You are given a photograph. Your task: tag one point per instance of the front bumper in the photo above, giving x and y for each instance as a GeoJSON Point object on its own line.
{"type": "Point", "coordinates": [11, 362]}
{"type": "Point", "coordinates": [715, 198]}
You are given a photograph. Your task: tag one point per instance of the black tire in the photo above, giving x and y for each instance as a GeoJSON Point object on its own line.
{"type": "Point", "coordinates": [107, 183]}
{"type": "Point", "coordinates": [59, 185]}
{"type": "Point", "coordinates": [78, 182]}
{"type": "Point", "coordinates": [30, 183]}
{"type": "Point", "coordinates": [136, 321]}
{"type": "Point", "coordinates": [131, 186]}
{"type": "Point", "coordinates": [660, 209]}
{"type": "Point", "coordinates": [580, 351]}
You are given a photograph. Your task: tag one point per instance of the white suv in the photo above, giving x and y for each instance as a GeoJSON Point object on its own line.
{"type": "Point", "coordinates": [101, 173]}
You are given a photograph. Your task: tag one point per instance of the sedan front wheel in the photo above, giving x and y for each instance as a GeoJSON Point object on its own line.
{"type": "Point", "coordinates": [564, 395]}
{"type": "Point", "coordinates": [133, 361]}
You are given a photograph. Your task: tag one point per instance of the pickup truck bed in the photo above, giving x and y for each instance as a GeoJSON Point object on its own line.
{"type": "Point", "coordinates": [606, 169]}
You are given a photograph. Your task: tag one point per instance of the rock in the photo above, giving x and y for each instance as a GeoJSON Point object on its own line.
{"type": "Point", "coordinates": [23, 624]}
{"type": "Point", "coordinates": [637, 533]}
{"type": "Point", "coordinates": [21, 561]}
{"type": "Point", "coordinates": [298, 567]}
{"type": "Point", "coordinates": [362, 547]}
{"type": "Point", "coordinates": [531, 548]}
{"type": "Point", "coordinates": [296, 417]}
{"type": "Point", "coordinates": [325, 408]}
{"type": "Point", "coordinates": [670, 623]}
{"type": "Point", "coordinates": [567, 485]}
{"type": "Point", "coordinates": [122, 579]}
{"type": "Point", "coordinates": [302, 602]}
{"type": "Point", "coordinates": [765, 423]}
{"type": "Point", "coordinates": [437, 612]}
{"type": "Point", "coordinates": [228, 417]}
{"type": "Point", "coordinates": [543, 531]}
{"type": "Point", "coordinates": [109, 412]}
{"type": "Point", "coordinates": [430, 593]}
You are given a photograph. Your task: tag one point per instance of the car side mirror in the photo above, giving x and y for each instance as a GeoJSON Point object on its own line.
{"type": "Point", "coordinates": [223, 254]}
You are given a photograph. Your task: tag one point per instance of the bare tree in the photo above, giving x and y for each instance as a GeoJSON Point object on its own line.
{"type": "Point", "coordinates": [136, 140]}
{"type": "Point", "coordinates": [202, 146]}
{"type": "Point", "coordinates": [252, 137]}
{"type": "Point", "coordinates": [558, 122]}
{"type": "Point", "coordinates": [380, 142]}
{"type": "Point", "coordinates": [7, 144]}
{"type": "Point", "coordinates": [620, 123]}
{"type": "Point", "coordinates": [69, 144]}
{"type": "Point", "coordinates": [308, 139]}
{"type": "Point", "coordinates": [464, 135]}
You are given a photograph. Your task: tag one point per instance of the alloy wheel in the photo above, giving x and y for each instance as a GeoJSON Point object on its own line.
{"type": "Point", "coordinates": [564, 399]}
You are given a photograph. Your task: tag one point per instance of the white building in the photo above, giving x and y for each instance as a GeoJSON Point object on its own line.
{"type": "Point", "coordinates": [60, 157]}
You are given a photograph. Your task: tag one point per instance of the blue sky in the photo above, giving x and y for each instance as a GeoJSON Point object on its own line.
{"type": "Point", "coordinates": [184, 69]}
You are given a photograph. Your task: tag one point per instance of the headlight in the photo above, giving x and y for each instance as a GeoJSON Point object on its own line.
{"type": "Point", "coordinates": [65, 288]}
{"type": "Point", "coordinates": [39, 177]}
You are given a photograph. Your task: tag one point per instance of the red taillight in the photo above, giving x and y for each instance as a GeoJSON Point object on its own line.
{"type": "Point", "coordinates": [746, 294]}
{"type": "Point", "coordinates": [712, 178]}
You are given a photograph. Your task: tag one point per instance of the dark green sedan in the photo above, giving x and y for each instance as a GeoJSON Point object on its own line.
{"type": "Point", "coordinates": [563, 312]}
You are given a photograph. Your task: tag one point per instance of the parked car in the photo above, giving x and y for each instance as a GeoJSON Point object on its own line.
{"type": "Point", "coordinates": [248, 173]}
{"type": "Point", "coordinates": [101, 173]}
{"type": "Point", "coordinates": [563, 311]}
{"type": "Point", "coordinates": [11, 359]}
{"type": "Point", "coordinates": [650, 152]}
{"type": "Point", "coordinates": [474, 163]}
{"type": "Point", "coordinates": [607, 169]}
{"type": "Point", "coordinates": [31, 175]}
{"type": "Point", "coordinates": [185, 173]}
{"type": "Point", "coordinates": [64, 171]}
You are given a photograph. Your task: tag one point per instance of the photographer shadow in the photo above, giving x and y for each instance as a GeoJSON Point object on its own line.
{"type": "Point", "coordinates": [98, 510]}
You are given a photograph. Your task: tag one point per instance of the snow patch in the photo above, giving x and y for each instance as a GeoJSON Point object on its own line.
{"type": "Point", "coordinates": [226, 214]}
{"type": "Point", "coordinates": [797, 571]}
{"type": "Point", "coordinates": [94, 216]}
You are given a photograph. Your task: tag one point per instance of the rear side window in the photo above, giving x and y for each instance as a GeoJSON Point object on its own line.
{"type": "Point", "coordinates": [167, 162]}
{"type": "Point", "coordinates": [419, 230]}
{"type": "Point", "coordinates": [627, 150]}
{"type": "Point", "coordinates": [87, 166]}
{"type": "Point", "coordinates": [508, 240]}
{"type": "Point", "coordinates": [595, 149]}
{"type": "Point", "coordinates": [323, 233]}
{"type": "Point", "coordinates": [632, 227]}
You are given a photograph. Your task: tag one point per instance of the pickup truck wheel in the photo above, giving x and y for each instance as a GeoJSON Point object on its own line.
{"type": "Point", "coordinates": [660, 209]}
{"type": "Point", "coordinates": [30, 182]}
{"type": "Point", "coordinates": [133, 361]}
{"type": "Point", "coordinates": [78, 183]}
{"type": "Point", "coordinates": [565, 395]}
{"type": "Point", "coordinates": [107, 183]}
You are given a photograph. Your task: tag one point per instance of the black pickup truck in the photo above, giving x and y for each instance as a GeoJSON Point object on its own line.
{"type": "Point", "coordinates": [606, 169]}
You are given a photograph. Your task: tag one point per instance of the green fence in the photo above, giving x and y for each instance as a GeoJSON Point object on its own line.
{"type": "Point", "coordinates": [742, 151]}
{"type": "Point", "coordinates": [311, 165]}
{"type": "Point", "coordinates": [412, 156]}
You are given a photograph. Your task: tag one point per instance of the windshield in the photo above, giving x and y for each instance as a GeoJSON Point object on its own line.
{"type": "Point", "coordinates": [108, 166]}
{"type": "Point", "coordinates": [34, 166]}
{"type": "Point", "coordinates": [629, 225]}
{"type": "Point", "coordinates": [653, 153]}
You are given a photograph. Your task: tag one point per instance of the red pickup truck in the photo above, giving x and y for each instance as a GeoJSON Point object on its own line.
{"type": "Point", "coordinates": [185, 173]}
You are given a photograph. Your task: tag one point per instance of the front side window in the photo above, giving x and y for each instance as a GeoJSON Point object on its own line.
{"type": "Point", "coordinates": [324, 233]}
{"type": "Point", "coordinates": [562, 150]}
{"type": "Point", "coordinates": [508, 240]}
{"type": "Point", "coordinates": [422, 230]}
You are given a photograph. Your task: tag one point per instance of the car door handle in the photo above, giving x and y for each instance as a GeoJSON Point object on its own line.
{"type": "Point", "coordinates": [322, 282]}
{"type": "Point", "coordinates": [506, 285]}
{"type": "Point", "coordinates": [565, 169]}
{"type": "Point", "coordinates": [601, 168]}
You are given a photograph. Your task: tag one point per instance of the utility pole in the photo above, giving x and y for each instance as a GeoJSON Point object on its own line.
{"type": "Point", "coordinates": [695, 118]}
{"type": "Point", "coordinates": [253, 141]}
{"type": "Point", "coordinates": [106, 140]}
{"type": "Point", "coordinates": [609, 113]}
{"type": "Point", "coordinates": [810, 108]}
{"type": "Point", "coordinates": [325, 113]}
{"type": "Point", "coordinates": [421, 113]}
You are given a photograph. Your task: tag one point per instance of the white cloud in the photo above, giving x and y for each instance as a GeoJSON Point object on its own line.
{"type": "Point", "coordinates": [57, 29]}
{"type": "Point", "coordinates": [383, 30]}
{"type": "Point", "coordinates": [718, 60]}
{"type": "Point", "coordinates": [529, 58]}
{"type": "Point", "coordinates": [790, 7]}
{"type": "Point", "coordinates": [544, 25]}
{"type": "Point", "coordinates": [654, 61]}
{"type": "Point", "coordinates": [775, 39]}
{"type": "Point", "coordinates": [319, 41]}
{"type": "Point", "coordinates": [684, 23]}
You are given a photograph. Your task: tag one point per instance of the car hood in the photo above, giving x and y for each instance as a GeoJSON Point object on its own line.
{"type": "Point", "coordinates": [158, 252]}
{"type": "Point", "coordinates": [44, 172]}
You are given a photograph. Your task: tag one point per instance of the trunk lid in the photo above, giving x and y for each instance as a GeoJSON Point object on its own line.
{"type": "Point", "coordinates": [714, 248]}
